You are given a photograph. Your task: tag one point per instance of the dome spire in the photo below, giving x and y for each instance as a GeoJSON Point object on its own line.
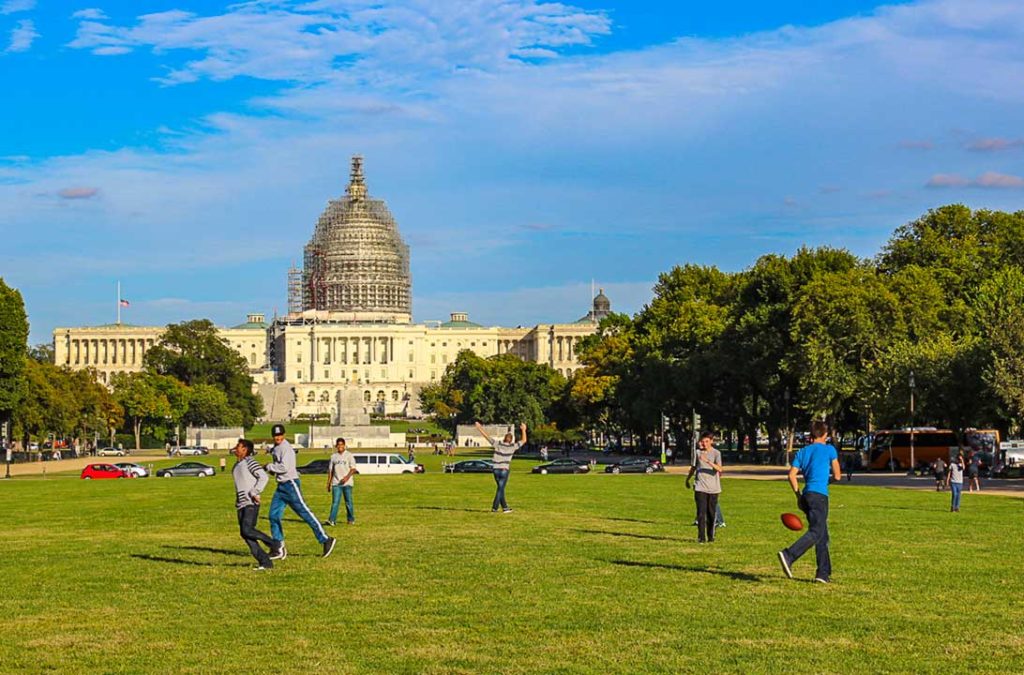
{"type": "Point", "coordinates": [356, 186]}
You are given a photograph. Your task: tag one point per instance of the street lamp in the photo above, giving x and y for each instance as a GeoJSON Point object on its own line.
{"type": "Point", "coordinates": [913, 464]}
{"type": "Point", "coordinates": [789, 431]}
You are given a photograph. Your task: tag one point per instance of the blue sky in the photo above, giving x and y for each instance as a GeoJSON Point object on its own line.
{"type": "Point", "coordinates": [526, 148]}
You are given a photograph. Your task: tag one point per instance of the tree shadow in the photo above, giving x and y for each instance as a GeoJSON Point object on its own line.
{"type": "Point", "coordinates": [631, 535]}
{"type": "Point", "coordinates": [735, 576]}
{"type": "Point", "coordinates": [209, 549]}
{"type": "Point", "coordinates": [448, 508]}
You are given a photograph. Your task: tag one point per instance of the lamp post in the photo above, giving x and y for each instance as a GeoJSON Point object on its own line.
{"type": "Point", "coordinates": [913, 464]}
{"type": "Point", "coordinates": [789, 431]}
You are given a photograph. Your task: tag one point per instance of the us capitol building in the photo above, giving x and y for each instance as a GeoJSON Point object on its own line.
{"type": "Point", "coordinates": [348, 339]}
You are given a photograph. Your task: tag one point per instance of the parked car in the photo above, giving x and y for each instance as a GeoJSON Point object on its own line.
{"type": "Point", "coordinates": [102, 471]}
{"type": "Point", "coordinates": [384, 463]}
{"type": "Point", "coordinates": [563, 465]}
{"type": "Point", "coordinates": [193, 450]}
{"type": "Point", "coordinates": [197, 469]}
{"type": "Point", "coordinates": [471, 466]}
{"type": "Point", "coordinates": [635, 465]}
{"type": "Point", "coordinates": [111, 452]}
{"type": "Point", "coordinates": [316, 466]}
{"type": "Point", "coordinates": [133, 470]}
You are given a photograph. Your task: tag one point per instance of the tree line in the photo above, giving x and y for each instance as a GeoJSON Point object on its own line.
{"type": "Point", "coordinates": [192, 377]}
{"type": "Point", "coordinates": [938, 312]}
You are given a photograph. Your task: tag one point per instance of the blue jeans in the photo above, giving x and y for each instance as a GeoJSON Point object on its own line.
{"type": "Point", "coordinates": [289, 493]}
{"type": "Point", "coordinates": [501, 478]}
{"type": "Point", "coordinates": [815, 505]}
{"type": "Point", "coordinates": [336, 494]}
{"type": "Point", "coordinates": [955, 489]}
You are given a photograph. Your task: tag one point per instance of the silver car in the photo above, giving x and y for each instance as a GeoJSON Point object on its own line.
{"type": "Point", "coordinates": [110, 452]}
{"type": "Point", "coordinates": [197, 469]}
{"type": "Point", "coordinates": [133, 470]}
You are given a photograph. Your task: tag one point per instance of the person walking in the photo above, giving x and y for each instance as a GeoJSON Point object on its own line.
{"type": "Point", "coordinates": [502, 461]}
{"type": "Point", "coordinates": [250, 479]}
{"type": "Point", "coordinates": [939, 467]}
{"type": "Point", "coordinates": [974, 473]}
{"type": "Point", "coordinates": [708, 468]}
{"type": "Point", "coordinates": [341, 471]}
{"type": "Point", "coordinates": [289, 493]}
{"type": "Point", "coordinates": [819, 463]}
{"type": "Point", "coordinates": [955, 482]}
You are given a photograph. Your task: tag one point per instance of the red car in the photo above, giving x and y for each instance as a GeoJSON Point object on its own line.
{"type": "Point", "coordinates": [102, 471]}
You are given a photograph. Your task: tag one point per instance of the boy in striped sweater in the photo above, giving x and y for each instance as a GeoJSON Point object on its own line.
{"type": "Point", "coordinates": [250, 479]}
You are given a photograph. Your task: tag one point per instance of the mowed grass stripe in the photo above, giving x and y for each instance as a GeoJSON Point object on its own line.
{"type": "Point", "coordinates": [592, 573]}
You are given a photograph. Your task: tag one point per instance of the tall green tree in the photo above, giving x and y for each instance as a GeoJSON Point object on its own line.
{"type": "Point", "coordinates": [194, 353]}
{"type": "Point", "coordinates": [13, 349]}
{"type": "Point", "coordinates": [999, 307]}
{"type": "Point", "coordinates": [140, 395]}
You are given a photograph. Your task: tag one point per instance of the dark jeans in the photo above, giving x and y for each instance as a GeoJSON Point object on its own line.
{"type": "Point", "coordinates": [707, 505]}
{"type": "Point", "coordinates": [501, 478]}
{"type": "Point", "coordinates": [247, 517]}
{"type": "Point", "coordinates": [815, 505]}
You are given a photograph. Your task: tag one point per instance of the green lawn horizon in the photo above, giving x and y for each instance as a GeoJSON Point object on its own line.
{"type": "Point", "coordinates": [592, 573]}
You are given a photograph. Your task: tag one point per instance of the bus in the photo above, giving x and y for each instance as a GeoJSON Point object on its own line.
{"type": "Point", "coordinates": [891, 448]}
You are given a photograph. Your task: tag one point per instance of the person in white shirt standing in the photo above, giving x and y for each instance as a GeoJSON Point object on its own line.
{"type": "Point", "coordinates": [341, 471]}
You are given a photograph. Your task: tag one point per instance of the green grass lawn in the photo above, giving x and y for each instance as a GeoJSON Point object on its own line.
{"type": "Point", "coordinates": [593, 573]}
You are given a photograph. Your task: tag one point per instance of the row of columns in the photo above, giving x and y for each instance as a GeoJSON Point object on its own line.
{"type": "Point", "coordinates": [351, 350]}
{"type": "Point", "coordinates": [566, 346]}
{"type": "Point", "coordinates": [102, 351]}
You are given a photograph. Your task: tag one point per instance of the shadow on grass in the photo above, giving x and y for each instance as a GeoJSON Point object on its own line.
{"type": "Point", "coordinates": [632, 520]}
{"type": "Point", "coordinates": [631, 535]}
{"type": "Point", "coordinates": [735, 576]}
{"type": "Point", "coordinates": [209, 549]}
{"type": "Point", "coordinates": [448, 508]}
{"type": "Point", "coordinates": [180, 561]}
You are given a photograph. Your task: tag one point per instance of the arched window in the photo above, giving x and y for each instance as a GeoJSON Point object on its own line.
{"type": "Point", "coordinates": [380, 395]}
{"type": "Point", "coordinates": [394, 394]}
{"type": "Point", "coordinates": [311, 397]}
{"type": "Point", "coordinates": [366, 396]}
{"type": "Point", "coordinates": [325, 397]}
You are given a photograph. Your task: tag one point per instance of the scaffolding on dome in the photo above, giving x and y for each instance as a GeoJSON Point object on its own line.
{"type": "Point", "coordinates": [294, 290]}
{"type": "Point", "coordinates": [356, 262]}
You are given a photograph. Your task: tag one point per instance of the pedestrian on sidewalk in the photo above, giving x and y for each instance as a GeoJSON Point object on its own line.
{"type": "Point", "coordinates": [955, 482]}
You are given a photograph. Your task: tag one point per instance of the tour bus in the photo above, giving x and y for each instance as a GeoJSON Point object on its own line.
{"type": "Point", "coordinates": [384, 463]}
{"type": "Point", "coordinates": [891, 448]}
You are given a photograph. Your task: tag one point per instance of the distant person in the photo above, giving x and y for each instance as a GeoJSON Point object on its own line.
{"type": "Point", "coordinates": [341, 471]}
{"type": "Point", "coordinates": [851, 465]}
{"type": "Point", "coordinates": [939, 468]}
{"type": "Point", "coordinates": [708, 468]}
{"type": "Point", "coordinates": [250, 480]}
{"type": "Point", "coordinates": [224, 462]}
{"type": "Point", "coordinates": [974, 473]}
{"type": "Point", "coordinates": [955, 482]}
{"type": "Point", "coordinates": [289, 493]}
{"type": "Point", "coordinates": [819, 463]}
{"type": "Point", "coordinates": [502, 461]}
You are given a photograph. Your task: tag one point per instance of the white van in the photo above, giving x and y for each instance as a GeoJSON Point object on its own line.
{"type": "Point", "coordinates": [384, 463]}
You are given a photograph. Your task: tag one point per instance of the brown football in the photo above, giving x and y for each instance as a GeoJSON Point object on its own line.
{"type": "Point", "coordinates": [792, 521]}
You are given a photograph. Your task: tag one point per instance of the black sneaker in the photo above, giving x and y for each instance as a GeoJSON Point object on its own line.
{"type": "Point", "coordinates": [329, 546]}
{"type": "Point", "coordinates": [785, 564]}
{"type": "Point", "coordinates": [822, 580]}
{"type": "Point", "coordinates": [508, 510]}
{"type": "Point", "coordinates": [279, 553]}
{"type": "Point", "coordinates": [261, 568]}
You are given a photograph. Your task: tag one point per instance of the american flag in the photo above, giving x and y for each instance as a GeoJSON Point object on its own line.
{"type": "Point", "coordinates": [124, 303]}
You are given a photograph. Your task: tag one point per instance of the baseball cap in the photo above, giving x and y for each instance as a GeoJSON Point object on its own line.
{"type": "Point", "coordinates": [277, 430]}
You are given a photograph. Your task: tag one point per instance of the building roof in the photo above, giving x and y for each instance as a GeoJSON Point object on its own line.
{"type": "Point", "coordinates": [460, 324]}
{"type": "Point", "coordinates": [250, 325]}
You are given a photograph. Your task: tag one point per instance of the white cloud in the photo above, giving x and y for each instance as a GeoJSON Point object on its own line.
{"type": "Point", "coordinates": [15, 6]}
{"type": "Point", "coordinates": [22, 36]}
{"type": "Point", "coordinates": [77, 192]}
{"type": "Point", "coordinates": [90, 13]}
{"type": "Point", "coordinates": [993, 179]}
{"type": "Point", "coordinates": [941, 180]}
{"type": "Point", "coordinates": [995, 144]}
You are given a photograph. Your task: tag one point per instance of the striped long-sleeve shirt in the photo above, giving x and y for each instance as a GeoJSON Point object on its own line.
{"type": "Point", "coordinates": [250, 479]}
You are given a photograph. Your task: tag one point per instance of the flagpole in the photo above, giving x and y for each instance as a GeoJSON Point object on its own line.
{"type": "Point", "coordinates": [118, 303]}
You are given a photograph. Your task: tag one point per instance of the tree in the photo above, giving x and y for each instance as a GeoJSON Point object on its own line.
{"type": "Point", "coordinates": [13, 344]}
{"type": "Point", "coordinates": [208, 406]}
{"type": "Point", "coordinates": [193, 353]}
{"type": "Point", "coordinates": [999, 307]}
{"type": "Point", "coordinates": [140, 396]}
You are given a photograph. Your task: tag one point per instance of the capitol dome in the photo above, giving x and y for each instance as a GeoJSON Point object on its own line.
{"type": "Point", "coordinates": [356, 266]}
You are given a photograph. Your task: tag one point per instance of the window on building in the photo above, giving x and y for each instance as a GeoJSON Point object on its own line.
{"type": "Point", "coordinates": [298, 357]}
{"type": "Point", "coordinates": [325, 397]}
{"type": "Point", "coordinates": [410, 375]}
{"type": "Point", "coordinates": [310, 397]}
{"type": "Point", "coordinates": [394, 394]}
{"type": "Point", "coordinates": [327, 373]}
{"type": "Point", "coordinates": [444, 358]}
{"type": "Point", "coordinates": [380, 395]}
{"type": "Point", "coordinates": [252, 359]}
{"type": "Point", "coordinates": [433, 375]}
{"type": "Point", "coordinates": [298, 374]}
{"type": "Point", "coordinates": [411, 357]}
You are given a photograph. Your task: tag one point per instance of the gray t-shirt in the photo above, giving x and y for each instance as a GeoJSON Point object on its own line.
{"type": "Point", "coordinates": [339, 466]}
{"type": "Point", "coordinates": [503, 452]}
{"type": "Point", "coordinates": [956, 473]}
{"type": "Point", "coordinates": [708, 479]}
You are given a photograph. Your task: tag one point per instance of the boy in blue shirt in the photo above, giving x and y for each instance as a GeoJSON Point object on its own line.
{"type": "Point", "coordinates": [818, 462]}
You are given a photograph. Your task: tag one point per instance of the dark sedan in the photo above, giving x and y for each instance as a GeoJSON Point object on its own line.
{"type": "Point", "coordinates": [564, 465]}
{"type": "Point", "coordinates": [196, 469]}
{"type": "Point", "coordinates": [316, 466]}
{"type": "Point", "coordinates": [471, 466]}
{"type": "Point", "coordinates": [635, 465]}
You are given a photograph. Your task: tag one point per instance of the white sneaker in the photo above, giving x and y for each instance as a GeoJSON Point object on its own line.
{"type": "Point", "coordinates": [279, 554]}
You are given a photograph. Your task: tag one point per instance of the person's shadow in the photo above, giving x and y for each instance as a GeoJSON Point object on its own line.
{"type": "Point", "coordinates": [731, 574]}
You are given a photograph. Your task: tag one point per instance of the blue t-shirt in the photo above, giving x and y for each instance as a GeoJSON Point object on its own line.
{"type": "Point", "coordinates": [815, 461]}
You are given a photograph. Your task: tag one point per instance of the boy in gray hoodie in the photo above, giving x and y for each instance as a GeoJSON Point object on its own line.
{"type": "Point", "coordinates": [250, 479]}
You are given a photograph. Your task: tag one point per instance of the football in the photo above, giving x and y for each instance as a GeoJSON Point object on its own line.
{"type": "Point", "coordinates": [792, 521]}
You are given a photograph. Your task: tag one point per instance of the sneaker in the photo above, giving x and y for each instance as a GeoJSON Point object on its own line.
{"type": "Point", "coordinates": [785, 564]}
{"type": "Point", "coordinates": [328, 523]}
{"type": "Point", "coordinates": [280, 553]}
{"type": "Point", "coordinates": [351, 522]}
{"type": "Point", "coordinates": [718, 525]}
{"type": "Point", "coordinates": [494, 510]}
{"type": "Point", "coordinates": [507, 511]}
{"type": "Point", "coordinates": [260, 568]}
{"type": "Point", "coordinates": [822, 580]}
{"type": "Point", "coordinates": [329, 546]}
